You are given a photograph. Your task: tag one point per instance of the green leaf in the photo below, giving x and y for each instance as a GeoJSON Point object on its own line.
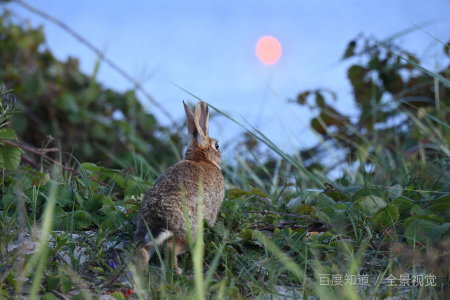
{"type": "Point", "coordinates": [146, 121]}
{"type": "Point", "coordinates": [403, 203]}
{"type": "Point", "coordinates": [52, 282]}
{"type": "Point", "coordinates": [416, 210]}
{"type": "Point", "coordinates": [320, 101]}
{"type": "Point", "coordinates": [392, 81]}
{"type": "Point", "coordinates": [114, 219]}
{"type": "Point", "coordinates": [370, 204]}
{"type": "Point", "coordinates": [304, 209]}
{"type": "Point", "coordinates": [350, 51]}
{"type": "Point", "coordinates": [79, 200]}
{"type": "Point", "coordinates": [367, 192]}
{"type": "Point", "coordinates": [356, 74]}
{"type": "Point", "coordinates": [8, 134]}
{"type": "Point", "coordinates": [419, 231]}
{"type": "Point", "coordinates": [324, 201]}
{"type": "Point", "coordinates": [296, 241]}
{"type": "Point", "coordinates": [80, 296]}
{"type": "Point", "coordinates": [67, 102]}
{"type": "Point", "coordinates": [395, 191]}
{"type": "Point", "coordinates": [82, 218]}
{"type": "Point", "coordinates": [335, 215]}
{"type": "Point", "coordinates": [441, 231]}
{"type": "Point", "coordinates": [256, 192]}
{"type": "Point", "coordinates": [441, 208]}
{"type": "Point", "coordinates": [136, 186]}
{"type": "Point", "coordinates": [386, 217]}
{"type": "Point", "coordinates": [63, 197]}
{"type": "Point", "coordinates": [118, 295]}
{"type": "Point", "coordinates": [4, 293]}
{"type": "Point", "coordinates": [36, 175]}
{"type": "Point", "coordinates": [59, 212]}
{"type": "Point", "coordinates": [108, 201]}
{"type": "Point", "coordinates": [301, 98]}
{"type": "Point", "coordinates": [285, 232]}
{"type": "Point", "coordinates": [248, 234]}
{"type": "Point", "coordinates": [60, 241]}
{"type": "Point", "coordinates": [93, 203]}
{"type": "Point", "coordinates": [320, 215]}
{"type": "Point", "coordinates": [10, 157]}
{"type": "Point", "coordinates": [445, 198]}
{"type": "Point", "coordinates": [236, 193]}
{"type": "Point", "coordinates": [92, 168]}
{"type": "Point", "coordinates": [49, 296]}
{"type": "Point", "coordinates": [7, 200]}
{"type": "Point", "coordinates": [374, 63]}
{"type": "Point", "coordinates": [65, 283]}
{"type": "Point", "coordinates": [96, 218]}
{"type": "Point", "coordinates": [434, 218]}
{"type": "Point", "coordinates": [328, 117]}
{"type": "Point", "coordinates": [24, 183]}
{"type": "Point", "coordinates": [336, 196]}
{"type": "Point", "coordinates": [342, 206]}
{"type": "Point", "coordinates": [118, 179]}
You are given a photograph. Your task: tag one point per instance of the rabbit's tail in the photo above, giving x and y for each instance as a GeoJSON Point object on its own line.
{"type": "Point", "coordinates": [147, 247]}
{"type": "Point", "coordinates": [160, 235]}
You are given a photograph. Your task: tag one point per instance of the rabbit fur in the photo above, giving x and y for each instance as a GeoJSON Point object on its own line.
{"type": "Point", "coordinates": [162, 206]}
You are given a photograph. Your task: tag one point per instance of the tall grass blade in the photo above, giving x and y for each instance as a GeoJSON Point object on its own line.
{"type": "Point", "coordinates": [155, 245]}
{"type": "Point", "coordinates": [214, 264]}
{"type": "Point", "coordinates": [40, 256]}
{"type": "Point", "coordinates": [418, 27]}
{"type": "Point", "coordinates": [137, 281]}
{"type": "Point", "coordinates": [427, 114]}
{"type": "Point", "coordinates": [439, 77]}
{"type": "Point", "coordinates": [285, 260]}
{"type": "Point", "coordinates": [197, 256]}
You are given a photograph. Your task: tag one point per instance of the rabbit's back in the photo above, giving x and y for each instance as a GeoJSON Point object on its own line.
{"type": "Point", "coordinates": [162, 206]}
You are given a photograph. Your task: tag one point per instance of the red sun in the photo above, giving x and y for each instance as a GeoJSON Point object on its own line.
{"type": "Point", "coordinates": [268, 50]}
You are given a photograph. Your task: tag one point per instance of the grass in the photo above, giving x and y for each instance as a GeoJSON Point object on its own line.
{"type": "Point", "coordinates": [236, 259]}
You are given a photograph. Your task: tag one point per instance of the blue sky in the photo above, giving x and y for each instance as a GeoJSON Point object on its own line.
{"type": "Point", "coordinates": [208, 48]}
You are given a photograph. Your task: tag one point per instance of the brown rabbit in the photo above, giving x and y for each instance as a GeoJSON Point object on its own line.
{"type": "Point", "coordinates": [162, 206]}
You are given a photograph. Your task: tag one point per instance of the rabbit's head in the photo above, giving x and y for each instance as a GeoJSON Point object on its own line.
{"type": "Point", "coordinates": [201, 146]}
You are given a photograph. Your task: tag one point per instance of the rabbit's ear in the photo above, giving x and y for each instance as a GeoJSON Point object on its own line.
{"type": "Point", "coordinates": [190, 121]}
{"type": "Point", "coordinates": [202, 118]}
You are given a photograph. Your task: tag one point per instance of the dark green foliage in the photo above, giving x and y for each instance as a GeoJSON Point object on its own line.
{"type": "Point", "coordinates": [387, 90]}
{"type": "Point", "coordinates": [90, 121]}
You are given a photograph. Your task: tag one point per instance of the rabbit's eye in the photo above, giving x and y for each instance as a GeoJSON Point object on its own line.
{"type": "Point", "coordinates": [217, 146]}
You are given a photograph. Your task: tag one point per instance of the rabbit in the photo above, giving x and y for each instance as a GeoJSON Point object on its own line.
{"type": "Point", "coordinates": [162, 206]}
